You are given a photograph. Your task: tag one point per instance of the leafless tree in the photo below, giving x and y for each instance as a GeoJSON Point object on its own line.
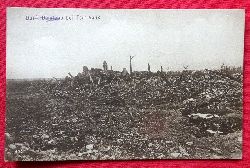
{"type": "Point", "coordinates": [130, 63]}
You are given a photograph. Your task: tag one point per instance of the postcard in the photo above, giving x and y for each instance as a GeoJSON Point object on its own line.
{"type": "Point", "coordinates": [122, 84]}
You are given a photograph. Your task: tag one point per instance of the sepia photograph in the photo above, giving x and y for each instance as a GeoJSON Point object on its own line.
{"type": "Point", "coordinates": [124, 84]}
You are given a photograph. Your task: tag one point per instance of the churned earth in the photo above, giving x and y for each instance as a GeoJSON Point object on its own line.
{"type": "Point", "coordinates": [175, 115]}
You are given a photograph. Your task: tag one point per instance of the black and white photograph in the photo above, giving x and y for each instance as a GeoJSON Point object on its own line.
{"type": "Point", "coordinates": [124, 84]}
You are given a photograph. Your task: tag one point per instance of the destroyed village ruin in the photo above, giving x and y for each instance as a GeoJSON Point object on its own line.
{"type": "Point", "coordinates": [106, 114]}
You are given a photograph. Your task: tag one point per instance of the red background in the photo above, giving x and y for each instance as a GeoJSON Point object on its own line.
{"type": "Point", "coordinates": [166, 4]}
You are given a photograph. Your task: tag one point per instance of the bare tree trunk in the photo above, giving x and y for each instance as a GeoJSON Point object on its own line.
{"type": "Point", "coordinates": [130, 63]}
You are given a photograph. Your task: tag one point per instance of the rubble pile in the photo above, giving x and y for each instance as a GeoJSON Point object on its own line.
{"type": "Point", "coordinates": [107, 114]}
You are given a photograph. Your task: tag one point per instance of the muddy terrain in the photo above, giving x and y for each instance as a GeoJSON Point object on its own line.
{"type": "Point", "coordinates": [108, 115]}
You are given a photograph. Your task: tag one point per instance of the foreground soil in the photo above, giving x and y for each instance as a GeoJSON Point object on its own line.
{"type": "Point", "coordinates": [188, 115]}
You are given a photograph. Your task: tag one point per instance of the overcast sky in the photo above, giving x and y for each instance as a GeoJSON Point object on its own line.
{"type": "Point", "coordinates": [169, 38]}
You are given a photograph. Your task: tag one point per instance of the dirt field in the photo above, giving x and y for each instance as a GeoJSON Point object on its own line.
{"type": "Point", "coordinates": [187, 114]}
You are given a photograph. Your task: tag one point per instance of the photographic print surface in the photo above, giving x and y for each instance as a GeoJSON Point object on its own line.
{"type": "Point", "coordinates": [106, 84]}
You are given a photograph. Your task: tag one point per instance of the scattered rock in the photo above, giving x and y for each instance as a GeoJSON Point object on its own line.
{"type": "Point", "coordinates": [8, 137]}
{"type": "Point", "coordinates": [12, 146]}
{"type": "Point", "coordinates": [175, 154]}
{"type": "Point", "coordinates": [73, 157]}
{"type": "Point", "coordinates": [217, 150]}
{"type": "Point", "coordinates": [189, 143]}
{"type": "Point", "coordinates": [119, 140]}
{"type": "Point", "coordinates": [214, 132]}
{"type": "Point", "coordinates": [90, 146]}
{"type": "Point", "coordinates": [105, 148]}
{"type": "Point", "coordinates": [74, 120]}
{"type": "Point", "coordinates": [161, 156]}
{"type": "Point", "coordinates": [168, 142]}
{"type": "Point", "coordinates": [52, 141]}
{"type": "Point", "coordinates": [183, 151]}
{"type": "Point", "coordinates": [240, 139]}
{"type": "Point", "coordinates": [150, 144]}
{"type": "Point", "coordinates": [45, 136]}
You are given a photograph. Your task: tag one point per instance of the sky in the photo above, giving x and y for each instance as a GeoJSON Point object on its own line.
{"type": "Point", "coordinates": [169, 38]}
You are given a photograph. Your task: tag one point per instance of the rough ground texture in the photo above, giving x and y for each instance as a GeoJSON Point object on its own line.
{"type": "Point", "coordinates": [174, 115]}
{"type": "Point", "coordinates": [245, 162]}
